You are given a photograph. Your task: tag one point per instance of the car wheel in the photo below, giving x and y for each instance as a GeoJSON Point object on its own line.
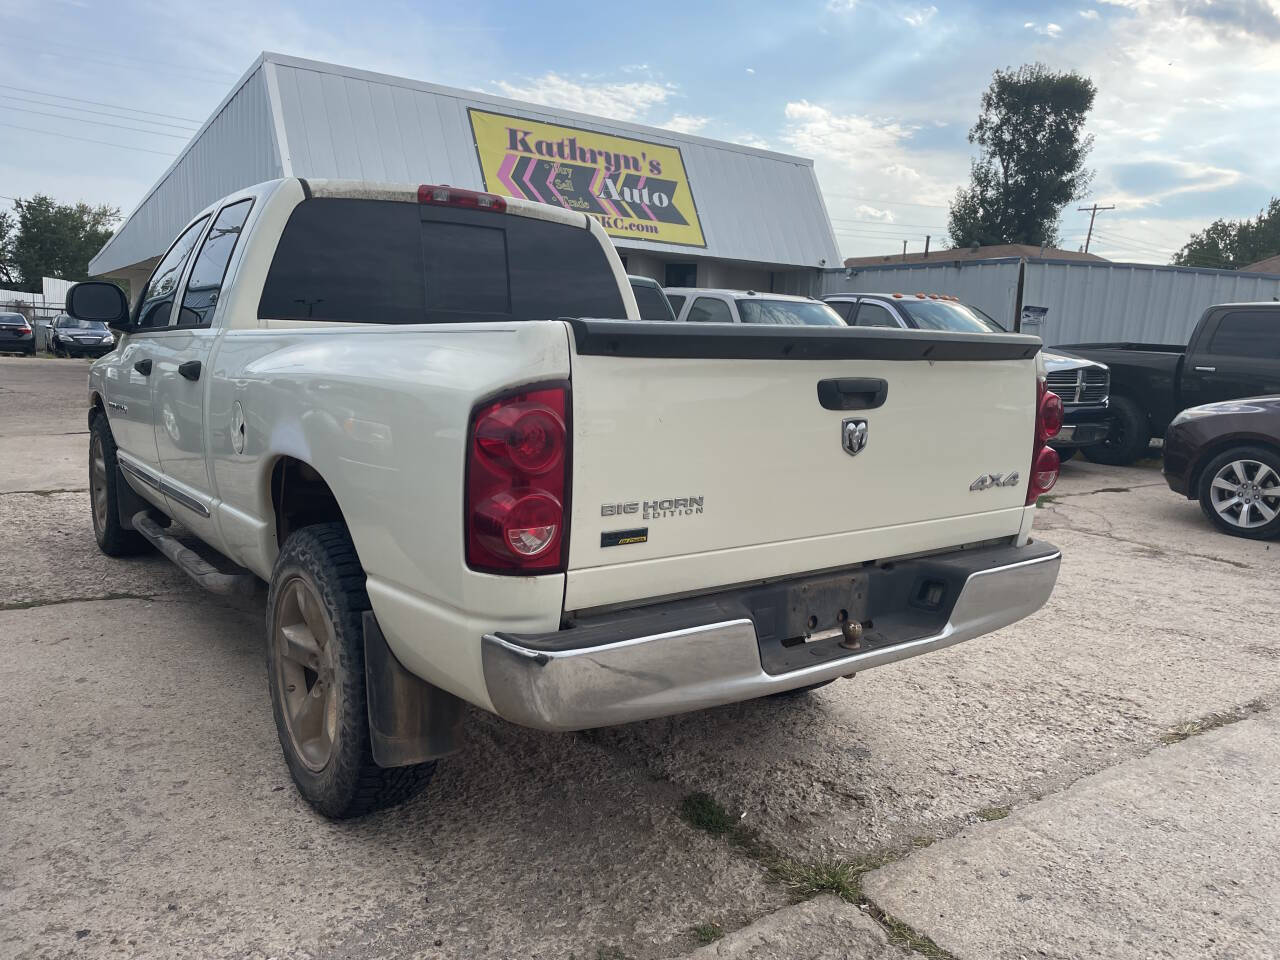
{"type": "Point", "coordinates": [1129, 436]}
{"type": "Point", "coordinates": [104, 479]}
{"type": "Point", "coordinates": [315, 665]}
{"type": "Point", "coordinates": [1240, 492]}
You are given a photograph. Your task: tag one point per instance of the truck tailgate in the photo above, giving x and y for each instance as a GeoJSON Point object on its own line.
{"type": "Point", "coordinates": [709, 455]}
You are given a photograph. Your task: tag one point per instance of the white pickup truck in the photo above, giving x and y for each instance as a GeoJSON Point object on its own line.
{"type": "Point", "coordinates": [433, 422]}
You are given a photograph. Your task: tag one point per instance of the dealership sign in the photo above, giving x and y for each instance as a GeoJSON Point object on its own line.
{"type": "Point", "coordinates": [637, 190]}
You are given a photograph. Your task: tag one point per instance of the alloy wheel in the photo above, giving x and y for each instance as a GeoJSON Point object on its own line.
{"type": "Point", "coordinates": [98, 483]}
{"type": "Point", "coordinates": [1246, 493]}
{"type": "Point", "coordinates": [305, 672]}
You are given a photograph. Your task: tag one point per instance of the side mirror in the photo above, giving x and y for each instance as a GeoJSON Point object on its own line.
{"type": "Point", "coordinates": [99, 301]}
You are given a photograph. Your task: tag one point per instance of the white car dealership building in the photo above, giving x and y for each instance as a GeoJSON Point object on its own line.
{"type": "Point", "coordinates": [684, 210]}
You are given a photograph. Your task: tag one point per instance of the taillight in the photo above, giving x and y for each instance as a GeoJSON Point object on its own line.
{"type": "Point", "coordinates": [457, 197]}
{"type": "Point", "coordinates": [1044, 459]}
{"type": "Point", "coordinates": [517, 482]}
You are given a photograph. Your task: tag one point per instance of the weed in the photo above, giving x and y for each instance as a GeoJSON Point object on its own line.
{"type": "Point", "coordinates": [992, 813]}
{"type": "Point", "coordinates": [1190, 728]}
{"type": "Point", "coordinates": [708, 932]}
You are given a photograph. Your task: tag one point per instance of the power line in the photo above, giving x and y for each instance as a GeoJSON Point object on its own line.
{"type": "Point", "coordinates": [98, 113]}
{"type": "Point", "coordinates": [22, 46]}
{"type": "Point", "coordinates": [97, 103]}
{"type": "Point", "coordinates": [888, 223]}
{"type": "Point", "coordinates": [89, 53]}
{"type": "Point", "coordinates": [100, 123]}
{"type": "Point", "coordinates": [104, 143]}
{"type": "Point", "coordinates": [1093, 213]}
{"type": "Point", "coordinates": [891, 203]}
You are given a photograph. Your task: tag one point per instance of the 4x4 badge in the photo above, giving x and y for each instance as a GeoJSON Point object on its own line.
{"type": "Point", "coordinates": [853, 436]}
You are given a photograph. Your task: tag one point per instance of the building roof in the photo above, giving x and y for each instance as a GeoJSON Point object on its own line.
{"type": "Point", "coordinates": [1269, 265]}
{"type": "Point", "coordinates": [293, 117]}
{"type": "Point", "coordinates": [993, 252]}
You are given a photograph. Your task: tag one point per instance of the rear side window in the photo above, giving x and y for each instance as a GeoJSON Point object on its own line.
{"type": "Point", "coordinates": [1248, 333]}
{"type": "Point", "coordinates": [843, 307]}
{"type": "Point", "coordinates": [709, 310]}
{"type": "Point", "coordinates": [210, 266]}
{"type": "Point", "coordinates": [384, 261]}
{"type": "Point", "coordinates": [653, 305]}
{"type": "Point", "coordinates": [677, 301]}
{"type": "Point", "coordinates": [874, 315]}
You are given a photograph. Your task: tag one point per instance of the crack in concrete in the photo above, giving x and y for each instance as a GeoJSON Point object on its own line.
{"type": "Point", "coordinates": [33, 604]}
{"type": "Point", "coordinates": [44, 493]}
{"type": "Point", "coordinates": [1150, 549]}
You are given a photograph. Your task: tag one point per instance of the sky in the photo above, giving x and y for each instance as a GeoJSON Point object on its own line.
{"type": "Point", "coordinates": [96, 98]}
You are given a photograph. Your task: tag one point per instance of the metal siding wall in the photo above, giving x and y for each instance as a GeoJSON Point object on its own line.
{"type": "Point", "coordinates": [348, 124]}
{"type": "Point", "coordinates": [990, 285]}
{"type": "Point", "coordinates": [1091, 302]}
{"type": "Point", "coordinates": [235, 150]}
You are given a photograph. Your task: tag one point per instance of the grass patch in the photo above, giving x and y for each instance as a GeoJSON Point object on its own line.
{"type": "Point", "coordinates": [992, 813]}
{"type": "Point", "coordinates": [1045, 499]}
{"type": "Point", "coordinates": [1191, 728]}
{"type": "Point", "coordinates": [708, 932]}
{"type": "Point", "coordinates": [805, 880]}
{"type": "Point", "coordinates": [610, 953]}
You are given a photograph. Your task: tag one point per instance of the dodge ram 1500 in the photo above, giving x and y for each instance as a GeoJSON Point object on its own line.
{"type": "Point", "coordinates": [433, 422]}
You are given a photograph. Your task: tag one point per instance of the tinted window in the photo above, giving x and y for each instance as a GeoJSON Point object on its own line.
{"type": "Point", "coordinates": [210, 266]}
{"type": "Point", "coordinates": [709, 310]}
{"type": "Point", "coordinates": [843, 307]}
{"type": "Point", "coordinates": [156, 302]}
{"type": "Point", "coordinates": [874, 315]}
{"type": "Point", "coordinates": [944, 315]}
{"type": "Point", "coordinates": [808, 313]}
{"type": "Point", "coordinates": [382, 261]}
{"type": "Point", "coordinates": [677, 301]}
{"type": "Point", "coordinates": [1248, 333]}
{"type": "Point", "coordinates": [653, 305]}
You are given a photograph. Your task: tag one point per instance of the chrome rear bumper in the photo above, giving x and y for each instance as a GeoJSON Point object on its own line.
{"type": "Point", "coordinates": [640, 677]}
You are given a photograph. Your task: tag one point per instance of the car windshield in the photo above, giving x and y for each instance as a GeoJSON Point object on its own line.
{"type": "Point", "coordinates": [652, 302]}
{"type": "Point", "coordinates": [807, 313]}
{"type": "Point", "coordinates": [947, 315]}
{"type": "Point", "coordinates": [71, 323]}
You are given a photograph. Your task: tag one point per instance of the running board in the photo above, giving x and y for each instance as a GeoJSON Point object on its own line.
{"type": "Point", "coordinates": [191, 563]}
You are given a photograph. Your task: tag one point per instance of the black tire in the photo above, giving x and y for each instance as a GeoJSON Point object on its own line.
{"type": "Point", "coordinates": [347, 783]}
{"type": "Point", "coordinates": [1259, 455]}
{"type": "Point", "coordinates": [104, 479]}
{"type": "Point", "coordinates": [799, 691]}
{"type": "Point", "coordinates": [1128, 439]}
{"type": "Point", "coordinates": [1065, 453]}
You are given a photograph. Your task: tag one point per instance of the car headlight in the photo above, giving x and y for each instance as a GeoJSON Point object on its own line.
{"type": "Point", "coordinates": [108, 339]}
{"type": "Point", "coordinates": [1191, 413]}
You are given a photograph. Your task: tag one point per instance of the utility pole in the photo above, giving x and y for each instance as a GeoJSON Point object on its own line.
{"type": "Point", "coordinates": [1093, 212]}
{"type": "Point", "coordinates": [904, 250]}
{"type": "Point", "coordinates": [927, 238]}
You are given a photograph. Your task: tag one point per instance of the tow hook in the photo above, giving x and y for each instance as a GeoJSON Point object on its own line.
{"type": "Point", "coordinates": [851, 632]}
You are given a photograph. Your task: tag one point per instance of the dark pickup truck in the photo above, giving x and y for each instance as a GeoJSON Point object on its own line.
{"type": "Point", "coordinates": [1234, 352]}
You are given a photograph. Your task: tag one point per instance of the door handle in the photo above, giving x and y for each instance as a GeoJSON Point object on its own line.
{"type": "Point", "coordinates": [143, 367]}
{"type": "Point", "coordinates": [852, 393]}
{"type": "Point", "coordinates": [190, 369]}
{"type": "Point", "coordinates": [1207, 369]}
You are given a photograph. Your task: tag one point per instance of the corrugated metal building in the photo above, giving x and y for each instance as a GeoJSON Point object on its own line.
{"type": "Point", "coordinates": [1083, 301]}
{"type": "Point", "coordinates": [719, 214]}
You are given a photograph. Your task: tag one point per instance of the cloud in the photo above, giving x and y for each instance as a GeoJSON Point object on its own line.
{"type": "Point", "coordinates": [751, 140]}
{"type": "Point", "coordinates": [1089, 14]}
{"type": "Point", "coordinates": [868, 212]}
{"type": "Point", "coordinates": [751, 69]}
{"type": "Point", "coordinates": [841, 6]}
{"type": "Point", "coordinates": [630, 100]}
{"type": "Point", "coordinates": [1048, 30]}
{"type": "Point", "coordinates": [685, 123]}
{"type": "Point", "coordinates": [919, 16]}
{"type": "Point", "coordinates": [1254, 18]}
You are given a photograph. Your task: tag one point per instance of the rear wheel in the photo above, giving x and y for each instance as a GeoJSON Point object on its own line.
{"type": "Point", "coordinates": [315, 664]}
{"type": "Point", "coordinates": [1240, 492]}
{"type": "Point", "coordinates": [104, 480]}
{"type": "Point", "coordinates": [1127, 440]}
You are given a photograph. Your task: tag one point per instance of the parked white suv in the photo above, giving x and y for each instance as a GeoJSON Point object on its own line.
{"type": "Point", "coordinates": [713, 305]}
{"type": "Point", "coordinates": [367, 396]}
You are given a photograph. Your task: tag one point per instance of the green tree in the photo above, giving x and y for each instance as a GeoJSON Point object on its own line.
{"type": "Point", "coordinates": [8, 229]}
{"type": "Point", "coordinates": [1031, 159]}
{"type": "Point", "coordinates": [58, 240]}
{"type": "Point", "coordinates": [1232, 244]}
